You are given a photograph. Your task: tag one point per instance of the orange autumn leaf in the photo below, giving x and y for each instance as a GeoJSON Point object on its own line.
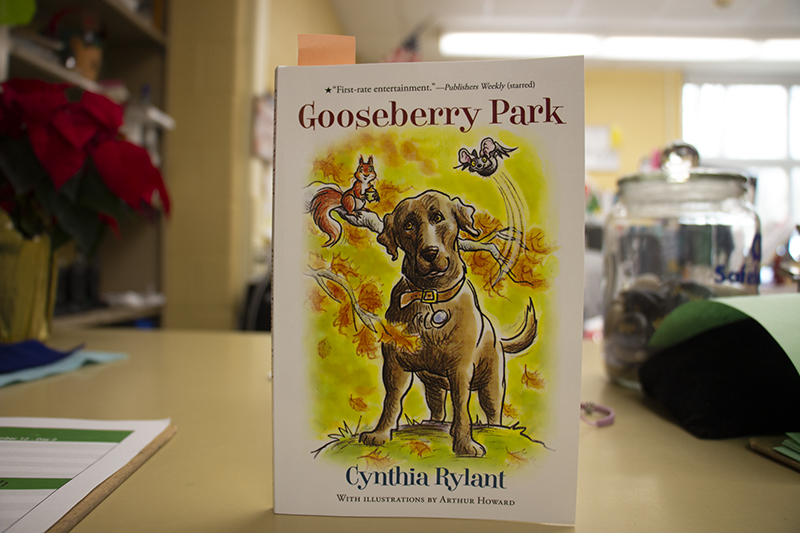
{"type": "Point", "coordinates": [365, 344]}
{"type": "Point", "coordinates": [369, 297]}
{"type": "Point", "coordinates": [480, 264]}
{"type": "Point", "coordinates": [315, 300]}
{"type": "Point", "coordinates": [311, 227]}
{"type": "Point", "coordinates": [509, 411]}
{"type": "Point", "coordinates": [395, 334]}
{"type": "Point", "coordinates": [535, 242]}
{"type": "Point", "coordinates": [331, 169]}
{"type": "Point", "coordinates": [526, 272]}
{"type": "Point", "coordinates": [532, 380]}
{"type": "Point", "coordinates": [341, 266]}
{"type": "Point", "coordinates": [390, 194]}
{"type": "Point", "coordinates": [344, 317]}
{"type": "Point", "coordinates": [516, 458]}
{"type": "Point", "coordinates": [324, 348]}
{"type": "Point", "coordinates": [358, 404]}
{"type": "Point", "coordinates": [411, 152]}
{"type": "Point", "coordinates": [358, 237]}
{"type": "Point", "coordinates": [418, 447]}
{"type": "Point", "coordinates": [483, 266]}
{"type": "Point", "coordinates": [376, 461]}
{"type": "Point", "coordinates": [486, 223]}
{"type": "Point", "coordinates": [387, 144]}
{"type": "Point", "coordinates": [337, 292]}
{"type": "Point", "coordinates": [316, 261]}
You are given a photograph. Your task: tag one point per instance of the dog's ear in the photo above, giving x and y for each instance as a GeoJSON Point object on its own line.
{"type": "Point", "coordinates": [387, 237]}
{"type": "Point", "coordinates": [463, 214]}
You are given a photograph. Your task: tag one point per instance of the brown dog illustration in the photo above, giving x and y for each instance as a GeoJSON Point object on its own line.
{"type": "Point", "coordinates": [459, 349]}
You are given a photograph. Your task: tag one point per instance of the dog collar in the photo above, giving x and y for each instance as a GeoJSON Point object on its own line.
{"type": "Point", "coordinates": [431, 296]}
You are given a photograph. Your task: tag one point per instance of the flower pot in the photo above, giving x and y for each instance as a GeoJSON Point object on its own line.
{"type": "Point", "coordinates": [28, 277]}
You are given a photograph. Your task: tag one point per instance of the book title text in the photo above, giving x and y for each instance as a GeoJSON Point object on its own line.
{"type": "Point", "coordinates": [501, 111]}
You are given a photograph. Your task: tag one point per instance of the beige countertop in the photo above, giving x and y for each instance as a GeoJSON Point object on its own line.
{"type": "Point", "coordinates": [642, 474]}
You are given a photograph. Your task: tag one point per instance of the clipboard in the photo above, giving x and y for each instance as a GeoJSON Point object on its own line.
{"type": "Point", "coordinates": [59, 469]}
{"type": "Point", "coordinates": [766, 445]}
{"type": "Point", "coordinates": [101, 491]}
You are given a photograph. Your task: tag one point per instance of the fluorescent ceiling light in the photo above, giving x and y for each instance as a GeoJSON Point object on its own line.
{"type": "Point", "coordinates": [678, 49]}
{"type": "Point", "coordinates": [619, 48]}
{"type": "Point", "coordinates": [477, 44]}
{"type": "Point", "coordinates": [780, 50]}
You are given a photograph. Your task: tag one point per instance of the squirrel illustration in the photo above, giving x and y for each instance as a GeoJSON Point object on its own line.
{"type": "Point", "coordinates": [353, 201]}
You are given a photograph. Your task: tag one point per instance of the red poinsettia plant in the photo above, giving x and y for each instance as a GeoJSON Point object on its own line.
{"type": "Point", "coordinates": [65, 169]}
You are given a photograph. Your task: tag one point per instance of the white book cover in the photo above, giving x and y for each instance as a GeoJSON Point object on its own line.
{"type": "Point", "coordinates": [428, 289]}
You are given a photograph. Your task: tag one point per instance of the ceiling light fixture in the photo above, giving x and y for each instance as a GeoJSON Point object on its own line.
{"type": "Point", "coordinates": [618, 48]}
{"type": "Point", "coordinates": [478, 44]}
{"type": "Point", "coordinates": [677, 49]}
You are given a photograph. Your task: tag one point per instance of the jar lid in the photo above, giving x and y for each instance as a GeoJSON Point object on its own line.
{"type": "Point", "coordinates": [679, 164]}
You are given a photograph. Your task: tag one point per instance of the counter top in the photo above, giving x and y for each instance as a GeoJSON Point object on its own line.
{"type": "Point", "coordinates": [643, 473]}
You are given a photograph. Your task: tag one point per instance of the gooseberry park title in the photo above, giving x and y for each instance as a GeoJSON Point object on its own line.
{"type": "Point", "coordinates": [501, 111]}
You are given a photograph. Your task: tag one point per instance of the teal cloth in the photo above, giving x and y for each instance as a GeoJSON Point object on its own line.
{"type": "Point", "coordinates": [68, 364]}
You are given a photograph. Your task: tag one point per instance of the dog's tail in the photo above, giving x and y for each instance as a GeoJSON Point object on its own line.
{"type": "Point", "coordinates": [527, 333]}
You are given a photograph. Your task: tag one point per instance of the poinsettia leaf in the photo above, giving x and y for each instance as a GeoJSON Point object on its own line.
{"type": "Point", "coordinates": [95, 195]}
{"type": "Point", "coordinates": [19, 165]}
{"type": "Point", "coordinates": [74, 125]}
{"type": "Point", "coordinates": [127, 170]}
{"type": "Point", "coordinates": [10, 120]}
{"type": "Point", "coordinates": [58, 238]}
{"type": "Point", "coordinates": [70, 189]}
{"type": "Point", "coordinates": [103, 110]}
{"type": "Point", "coordinates": [40, 106]}
{"type": "Point", "coordinates": [81, 224]}
{"type": "Point", "coordinates": [61, 160]}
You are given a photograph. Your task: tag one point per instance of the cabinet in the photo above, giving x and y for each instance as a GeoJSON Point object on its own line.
{"type": "Point", "coordinates": [134, 50]}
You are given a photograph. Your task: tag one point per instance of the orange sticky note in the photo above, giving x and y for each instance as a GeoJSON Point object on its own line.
{"type": "Point", "coordinates": [314, 49]}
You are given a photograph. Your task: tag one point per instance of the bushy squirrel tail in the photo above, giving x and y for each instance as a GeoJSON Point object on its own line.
{"type": "Point", "coordinates": [325, 201]}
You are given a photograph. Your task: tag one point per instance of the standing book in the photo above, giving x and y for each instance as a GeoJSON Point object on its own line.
{"type": "Point", "coordinates": [428, 284]}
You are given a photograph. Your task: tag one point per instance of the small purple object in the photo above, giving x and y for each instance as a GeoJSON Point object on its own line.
{"type": "Point", "coordinates": [590, 407]}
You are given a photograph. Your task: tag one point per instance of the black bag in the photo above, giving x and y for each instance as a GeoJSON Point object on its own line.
{"type": "Point", "coordinates": [730, 381]}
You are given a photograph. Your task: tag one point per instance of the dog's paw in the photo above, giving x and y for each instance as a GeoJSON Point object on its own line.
{"type": "Point", "coordinates": [469, 448]}
{"type": "Point", "coordinates": [373, 438]}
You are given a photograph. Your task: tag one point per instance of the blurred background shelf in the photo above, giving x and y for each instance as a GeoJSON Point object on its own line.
{"type": "Point", "coordinates": [123, 26]}
{"type": "Point", "coordinates": [133, 68]}
{"type": "Point", "coordinates": [106, 317]}
{"type": "Point", "coordinates": [28, 64]}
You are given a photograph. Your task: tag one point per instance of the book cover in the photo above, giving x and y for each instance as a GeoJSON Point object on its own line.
{"type": "Point", "coordinates": [428, 285]}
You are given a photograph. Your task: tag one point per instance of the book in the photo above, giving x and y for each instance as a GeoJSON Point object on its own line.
{"type": "Point", "coordinates": [427, 290]}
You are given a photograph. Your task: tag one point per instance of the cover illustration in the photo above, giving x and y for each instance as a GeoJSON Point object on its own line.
{"type": "Point", "coordinates": [428, 282]}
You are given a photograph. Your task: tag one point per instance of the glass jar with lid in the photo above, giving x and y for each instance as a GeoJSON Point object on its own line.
{"type": "Point", "coordinates": [677, 234]}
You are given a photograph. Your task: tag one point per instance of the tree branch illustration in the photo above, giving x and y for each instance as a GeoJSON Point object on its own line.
{"type": "Point", "coordinates": [372, 222]}
{"type": "Point", "coordinates": [511, 238]}
{"type": "Point", "coordinates": [322, 275]}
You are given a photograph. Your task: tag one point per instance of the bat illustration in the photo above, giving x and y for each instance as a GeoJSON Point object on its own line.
{"type": "Point", "coordinates": [485, 161]}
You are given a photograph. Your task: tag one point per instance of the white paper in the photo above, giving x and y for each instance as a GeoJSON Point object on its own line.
{"type": "Point", "coordinates": [45, 471]}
